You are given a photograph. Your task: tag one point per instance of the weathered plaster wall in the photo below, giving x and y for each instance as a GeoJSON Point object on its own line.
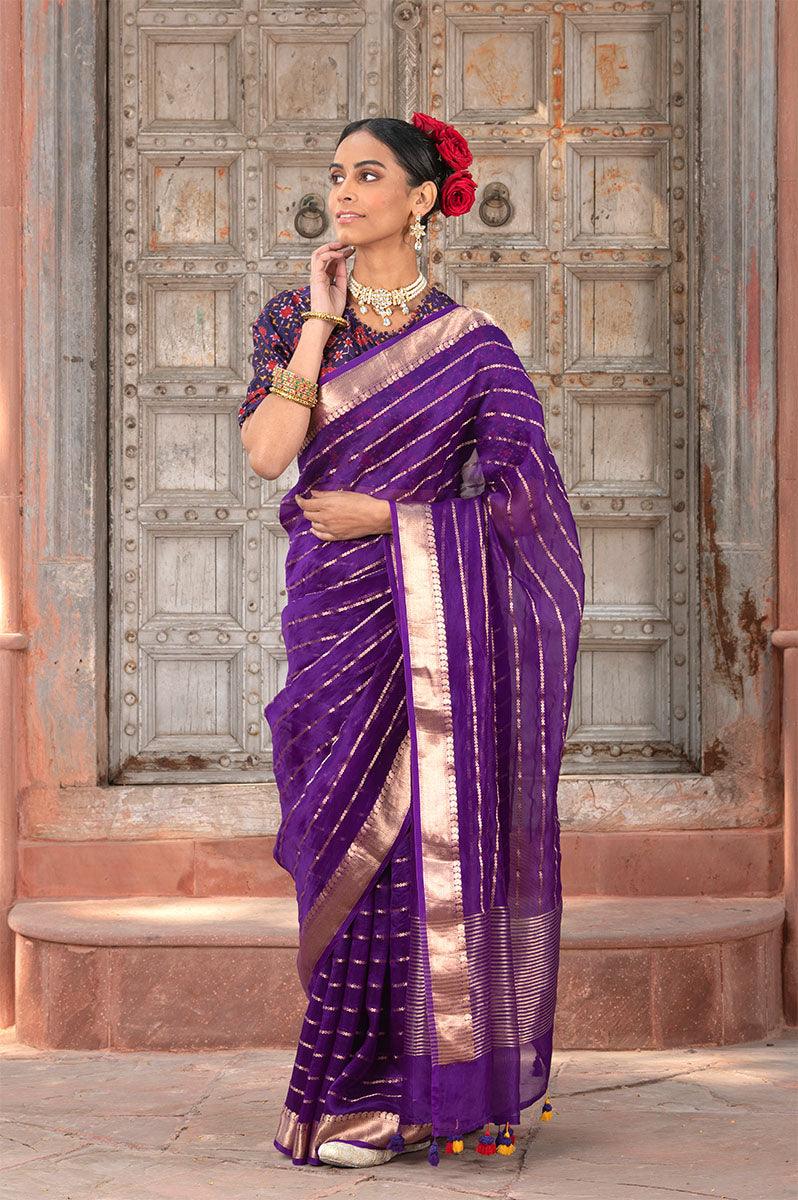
{"type": "Point", "coordinates": [740, 692]}
{"type": "Point", "coordinates": [786, 636]}
{"type": "Point", "coordinates": [65, 318]}
{"type": "Point", "coordinates": [12, 639]}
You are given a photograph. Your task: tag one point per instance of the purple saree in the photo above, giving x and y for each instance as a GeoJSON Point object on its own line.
{"type": "Point", "coordinates": [418, 740]}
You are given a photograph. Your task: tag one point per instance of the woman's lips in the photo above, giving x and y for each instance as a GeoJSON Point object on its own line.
{"type": "Point", "coordinates": [349, 217]}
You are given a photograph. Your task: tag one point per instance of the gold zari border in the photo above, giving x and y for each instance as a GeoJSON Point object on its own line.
{"type": "Point", "coordinates": [358, 866]}
{"type": "Point", "coordinates": [303, 1138]}
{"type": "Point", "coordinates": [443, 899]}
{"type": "Point", "coordinates": [363, 378]}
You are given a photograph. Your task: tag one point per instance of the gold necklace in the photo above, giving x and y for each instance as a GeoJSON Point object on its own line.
{"type": "Point", "coordinates": [384, 300]}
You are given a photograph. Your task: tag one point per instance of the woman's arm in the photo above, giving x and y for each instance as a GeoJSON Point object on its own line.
{"type": "Point", "coordinates": [273, 433]}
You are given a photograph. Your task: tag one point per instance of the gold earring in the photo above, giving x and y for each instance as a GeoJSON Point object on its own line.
{"type": "Point", "coordinates": [418, 231]}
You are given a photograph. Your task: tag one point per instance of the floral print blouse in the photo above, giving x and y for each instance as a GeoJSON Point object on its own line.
{"type": "Point", "coordinates": [276, 332]}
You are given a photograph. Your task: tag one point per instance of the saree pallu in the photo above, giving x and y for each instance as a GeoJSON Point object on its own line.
{"type": "Point", "coordinates": [418, 739]}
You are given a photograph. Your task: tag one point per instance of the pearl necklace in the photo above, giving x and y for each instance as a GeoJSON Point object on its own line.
{"type": "Point", "coordinates": [384, 301]}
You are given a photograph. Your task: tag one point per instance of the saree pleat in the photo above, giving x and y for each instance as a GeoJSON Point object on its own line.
{"type": "Point", "coordinates": [347, 1079]}
{"type": "Point", "coordinates": [418, 741]}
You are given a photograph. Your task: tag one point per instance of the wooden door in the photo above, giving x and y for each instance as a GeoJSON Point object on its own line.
{"type": "Point", "coordinates": [579, 245]}
{"type": "Point", "coordinates": [224, 117]}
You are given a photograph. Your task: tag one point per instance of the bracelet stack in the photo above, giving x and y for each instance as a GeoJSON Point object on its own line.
{"type": "Point", "coordinates": [326, 317]}
{"type": "Point", "coordinates": [294, 387]}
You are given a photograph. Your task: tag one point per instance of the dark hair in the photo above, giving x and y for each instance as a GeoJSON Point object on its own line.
{"type": "Point", "coordinates": [415, 150]}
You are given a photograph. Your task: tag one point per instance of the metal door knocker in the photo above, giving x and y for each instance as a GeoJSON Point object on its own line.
{"type": "Point", "coordinates": [495, 208]}
{"type": "Point", "coordinates": [311, 218]}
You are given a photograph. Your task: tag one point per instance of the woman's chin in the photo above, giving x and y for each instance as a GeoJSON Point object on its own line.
{"type": "Point", "coordinates": [348, 230]}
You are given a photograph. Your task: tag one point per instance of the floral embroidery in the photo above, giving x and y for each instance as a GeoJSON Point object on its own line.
{"type": "Point", "coordinates": [276, 332]}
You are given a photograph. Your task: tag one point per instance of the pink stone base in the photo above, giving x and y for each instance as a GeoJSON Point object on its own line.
{"type": "Point", "coordinates": [171, 974]}
{"type": "Point", "coordinates": [151, 867]}
{"type": "Point", "coordinates": [156, 998]}
{"type": "Point", "coordinates": [691, 862]}
{"type": "Point", "coordinates": [652, 999]}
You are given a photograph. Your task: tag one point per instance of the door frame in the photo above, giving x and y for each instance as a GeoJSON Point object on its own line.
{"type": "Point", "coordinates": [65, 505]}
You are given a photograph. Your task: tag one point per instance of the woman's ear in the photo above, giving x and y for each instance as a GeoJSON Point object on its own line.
{"type": "Point", "coordinates": [432, 193]}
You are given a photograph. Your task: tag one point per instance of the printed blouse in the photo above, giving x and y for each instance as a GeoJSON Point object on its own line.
{"type": "Point", "coordinates": [276, 332]}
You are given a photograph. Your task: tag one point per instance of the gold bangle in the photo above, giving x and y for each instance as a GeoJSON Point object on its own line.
{"type": "Point", "coordinates": [286, 375]}
{"type": "Point", "coordinates": [325, 317]}
{"type": "Point", "coordinates": [288, 396]}
{"type": "Point", "coordinates": [294, 384]}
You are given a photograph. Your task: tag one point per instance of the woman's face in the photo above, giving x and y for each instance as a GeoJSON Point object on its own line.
{"type": "Point", "coordinates": [367, 179]}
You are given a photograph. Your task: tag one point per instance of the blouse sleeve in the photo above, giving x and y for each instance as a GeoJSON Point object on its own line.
{"type": "Point", "coordinates": [271, 342]}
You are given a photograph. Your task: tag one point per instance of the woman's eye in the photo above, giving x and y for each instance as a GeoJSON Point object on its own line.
{"type": "Point", "coordinates": [335, 176]}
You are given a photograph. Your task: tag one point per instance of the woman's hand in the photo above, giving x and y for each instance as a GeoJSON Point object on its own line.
{"type": "Point", "coordinates": [336, 515]}
{"type": "Point", "coordinates": [328, 278]}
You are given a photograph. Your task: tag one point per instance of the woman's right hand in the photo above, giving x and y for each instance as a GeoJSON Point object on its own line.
{"type": "Point", "coordinates": [328, 278]}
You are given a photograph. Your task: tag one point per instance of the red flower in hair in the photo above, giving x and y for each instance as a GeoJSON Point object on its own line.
{"type": "Point", "coordinates": [427, 124]}
{"type": "Point", "coordinates": [450, 143]}
{"type": "Point", "coordinates": [457, 194]}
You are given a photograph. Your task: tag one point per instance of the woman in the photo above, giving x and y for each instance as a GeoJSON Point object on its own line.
{"type": "Point", "coordinates": [434, 595]}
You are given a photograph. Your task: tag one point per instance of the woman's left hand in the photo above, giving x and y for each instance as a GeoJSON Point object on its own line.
{"type": "Point", "coordinates": [336, 515]}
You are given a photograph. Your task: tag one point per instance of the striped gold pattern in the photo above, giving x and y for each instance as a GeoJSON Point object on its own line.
{"type": "Point", "coordinates": [514, 964]}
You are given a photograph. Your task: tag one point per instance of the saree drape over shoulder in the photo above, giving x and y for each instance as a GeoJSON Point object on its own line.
{"type": "Point", "coordinates": [418, 740]}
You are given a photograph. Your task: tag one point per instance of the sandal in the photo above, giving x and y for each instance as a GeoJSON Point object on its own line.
{"type": "Point", "coordinates": [337, 1153]}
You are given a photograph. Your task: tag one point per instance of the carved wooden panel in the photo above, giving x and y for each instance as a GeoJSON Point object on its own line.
{"type": "Point", "coordinates": [192, 201]}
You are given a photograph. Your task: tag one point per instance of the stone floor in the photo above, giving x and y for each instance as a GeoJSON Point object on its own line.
{"type": "Point", "coordinates": [628, 1125]}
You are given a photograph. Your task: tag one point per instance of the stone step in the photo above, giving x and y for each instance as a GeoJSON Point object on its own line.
{"type": "Point", "coordinates": [599, 862]}
{"type": "Point", "coordinates": [167, 973]}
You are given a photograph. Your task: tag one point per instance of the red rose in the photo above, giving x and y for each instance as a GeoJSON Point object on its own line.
{"type": "Point", "coordinates": [450, 143]}
{"type": "Point", "coordinates": [428, 124]}
{"type": "Point", "coordinates": [453, 148]}
{"type": "Point", "coordinates": [457, 194]}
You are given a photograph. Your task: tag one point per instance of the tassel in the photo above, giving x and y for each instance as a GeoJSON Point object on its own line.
{"type": "Point", "coordinates": [397, 1142]}
{"type": "Point", "coordinates": [433, 1157]}
{"type": "Point", "coordinates": [505, 1142]}
{"type": "Point", "coordinates": [546, 1111]}
{"type": "Point", "coordinates": [486, 1144]}
{"type": "Point", "coordinates": [454, 1146]}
